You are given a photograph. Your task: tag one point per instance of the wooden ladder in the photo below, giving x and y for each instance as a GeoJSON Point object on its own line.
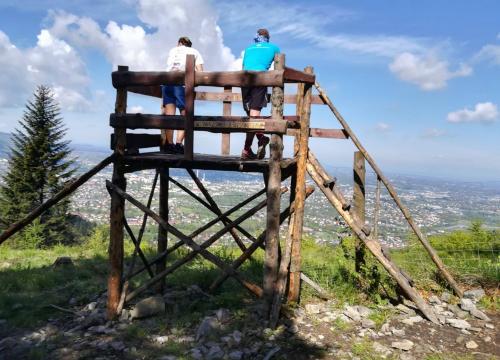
{"type": "Point", "coordinates": [328, 185]}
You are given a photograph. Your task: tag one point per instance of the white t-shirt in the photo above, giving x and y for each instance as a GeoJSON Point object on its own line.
{"type": "Point", "coordinates": [177, 58]}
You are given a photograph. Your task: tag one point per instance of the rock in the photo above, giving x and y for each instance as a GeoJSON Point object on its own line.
{"type": "Point", "coordinates": [223, 315]}
{"type": "Point", "coordinates": [215, 352]}
{"type": "Point", "coordinates": [480, 315]}
{"type": "Point", "coordinates": [398, 332]}
{"type": "Point", "coordinates": [124, 316]}
{"type": "Point", "coordinates": [460, 339]}
{"type": "Point", "coordinates": [160, 339]}
{"type": "Point", "coordinates": [352, 313]}
{"type": "Point", "coordinates": [385, 327]}
{"type": "Point", "coordinates": [63, 261]}
{"type": "Point", "coordinates": [405, 309]}
{"type": "Point", "coordinates": [381, 349]}
{"type": "Point", "coordinates": [363, 311]}
{"type": "Point", "coordinates": [457, 312]}
{"type": "Point", "coordinates": [434, 300]}
{"type": "Point", "coordinates": [458, 323]}
{"type": "Point", "coordinates": [412, 320]}
{"type": "Point", "coordinates": [313, 308]}
{"type": "Point", "coordinates": [91, 306]}
{"type": "Point", "coordinates": [117, 345]}
{"type": "Point", "coordinates": [489, 326]}
{"type": "Point", "coordinates": [237, 336]}
{"type": "Point", "coordinates": [446, 297]}
{"type": "Point", "coordinates": [368, 324]}
{"type": "Point", "coordinates": [471, 345]}
{"type": "Point", "coordinates": [235, 355]}
{"type": "Point", "coordinates": [404, 345]}
{"type": "Point", "coordinates": [293, 329]}
{"type": "Point", "coordinates": [208, 325]}
{"type": "Point", "coordinates": [148, 307]}
{"type": "Point", "coordinates": [7, 343]}
{"type": "Point", "coordinates": [196, 354]}
{"type": "Point", "coordinates": [467, 304]}
{"type": "Point", "coordinates": [92, 320]}
{"type": "Point", "coordinates": [487, 339]}
{"type": "Point", "coordinates": [474, 294]}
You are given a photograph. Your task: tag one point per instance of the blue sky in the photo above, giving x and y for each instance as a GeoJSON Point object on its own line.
{"type": "Point", "coordinates": [418, 81]}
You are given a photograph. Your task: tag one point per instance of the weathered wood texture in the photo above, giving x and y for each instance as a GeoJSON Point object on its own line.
{"type": "Point", "coordinates": [162, 240]}
{"type": "Point", "coordinates": [297, 76]}
{"type": "Point", "coordinates": [423, 239]}
{"type": "Point", "coordinates": [321, 133]}
{"type": "Point", "coordinates": [117, 211]}
{"type": "Point", "coordinates": [298, 218]}
{"type": "Point", "coordinates": [202, 78]}
{"type": "Point", "coordinates": [359, 204]}
{"type": "Point", "coordinates": [155, 91]}
{"type": "Point", "coordinates": [273, 195]}
{"type": "Point", "coordinates": [216, 124]}
{"type": "Point", "coordinates": [376, 211]}
{"type": "Point", "coordinates": [67, 190]}
{"type": "Point", "coordinates": [317, 172]}
{"type": "Point", "coordinates": [189, 84]}
{"type": "Point", "coordinates": [152, 160]}
{"type": "Point", "coordinates": [226, 111]}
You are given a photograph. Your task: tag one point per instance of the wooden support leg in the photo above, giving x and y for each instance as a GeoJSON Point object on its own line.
{"type": "Point", "coordinates": [359, 202]}
{"type": "Point", "coordinates": [162, 233]}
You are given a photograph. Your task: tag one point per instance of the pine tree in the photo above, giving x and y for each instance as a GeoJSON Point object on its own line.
{"type": "Point", "coordinates": [40, 164]}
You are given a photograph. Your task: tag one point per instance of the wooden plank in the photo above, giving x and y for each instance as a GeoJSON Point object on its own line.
{"type": "Point", "coordinates": [298, 219]}
{"type": "Point", "coordinates": [189, 109]}
{"type": "Point", "coordinates": [406, 213]}
{"type": "Point", "coordinates": [376, 211]}
{"type": "Point", "coordinates": [321, 133]}
{"type": "Point", "coordinates": [155, 91]}
{"type": "Point", "coordinates": [67, 190]}
{"type": "Point", "coordinates": [271, 260]}
{"type": "Point", "coordinates": [226, 111]}
{"type": "Point", "coordinates": [162, 239]}
{"type": "Point", "coordinates": [117, 211]}
{"type": "Point", "coordinates": [359, 204]}
{"type": "Point", "coordinates": [297, 76]}
{"type": "Point", "coordinates": [122, 79]}
{"type": "Point", "coordinates": [202, 123]}
{"type": "Point", "coordinates": [138, 141]}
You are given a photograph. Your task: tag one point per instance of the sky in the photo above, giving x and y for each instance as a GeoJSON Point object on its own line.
{"type": "Point", "coordinates": [417, 81]}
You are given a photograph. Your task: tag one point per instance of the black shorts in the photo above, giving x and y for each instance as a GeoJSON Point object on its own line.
{"type": "Point", "coordinates": [254, 98]}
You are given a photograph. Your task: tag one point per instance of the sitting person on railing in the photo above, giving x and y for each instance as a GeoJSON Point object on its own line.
{"type": "Point", "coordinates": [258, 57]}
{"type": "Point", "coordinates": [173, 95]}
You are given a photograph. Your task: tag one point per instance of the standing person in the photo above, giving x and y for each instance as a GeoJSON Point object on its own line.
{"type": "Point", "coordinates": [173, 95]}
{"type": "Point", "coordinates": [258, 57]}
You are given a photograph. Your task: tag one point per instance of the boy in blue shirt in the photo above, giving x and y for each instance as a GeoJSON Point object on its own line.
{"type": "Point", "coordinates": [258, 57]}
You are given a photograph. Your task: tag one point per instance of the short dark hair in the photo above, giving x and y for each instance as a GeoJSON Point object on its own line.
{"type": "Point", "coordinates": [263, 32]}
{"type": "Point", "coordinates": [184, 40]}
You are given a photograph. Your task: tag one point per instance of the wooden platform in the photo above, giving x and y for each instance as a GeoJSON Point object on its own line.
{"type": "Point", "coordinates": [153, 160]}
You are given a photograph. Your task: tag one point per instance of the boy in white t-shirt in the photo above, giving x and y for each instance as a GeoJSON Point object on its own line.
{"type": "Point", "coordinates": [173, 95]}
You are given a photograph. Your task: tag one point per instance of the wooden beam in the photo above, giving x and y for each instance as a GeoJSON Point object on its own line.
{"type": "Point", "coordinates": [67, 190]}
{"type": "Point", "coordinates": [189, 107]}
{"type": "Point", "coordinates": [226, 137]}
{"type": "Point", "coordinates": [117, 211]}
{"type": "Point", "coordinates": [138, 141]}
{"type": "Point", "coordinates": [202, 123]}
{"type": "Point", "coordinates": [359, 204]}
{"type": "Point", "coordinates": [297, 76]}
{"type": "Point", "coordinates": [298, 218]}
{"type": "Point", "coordinates": [163, 211]}
{"type": "Point", "coordinates": [271, 259]}
{"type": "Point", "coordinates": [123, 79]}
{"type": "Point", "coordinates": [321, 133]}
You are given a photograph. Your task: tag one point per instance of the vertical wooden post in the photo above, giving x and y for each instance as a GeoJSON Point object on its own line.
{"type": "Point", "coordinates": [273, 194]}
{"type": "Point", "coordinates": [189, 117]}
{"type": "Point", "coordinates": [162, 233]}
{"type": "Point", "coordinates": [376, 210]}
{"type": "Point", "coordinates": [359, 202]}
{"type": "Point", "coordinates": [117, 211]}
{"type": "Point", "coordinates": [300, 191]}
{"type": "Point", "coordinates": [226, 111]}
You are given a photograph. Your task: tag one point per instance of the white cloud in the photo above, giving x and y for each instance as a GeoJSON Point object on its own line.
{"type": "Point", "coordinates": [428, 72]}
{"type": "Point", "coordinates": [485, 113]}
{"type": "Point", "coordinates": [146, 48]}
{"type": "Point", "coordinates": [383, 127]}
{"type": "Point", "coordinates": [433, 133]}
{"type": "Point", "coordinates": [489, 53]}
{"type": "Point", "coordinates": [50, 62]}
{"type": "Point", "coordinates": [136, 109]}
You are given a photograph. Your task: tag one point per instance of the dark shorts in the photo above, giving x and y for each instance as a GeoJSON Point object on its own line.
{"type": "Point", "coordinates": [254, 98]}
{"type": "Point", "coordinates": [174, 94]}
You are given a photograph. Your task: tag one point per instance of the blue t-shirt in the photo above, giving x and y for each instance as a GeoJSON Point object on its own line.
{"type": "Point", "coordinates": [259, 56]}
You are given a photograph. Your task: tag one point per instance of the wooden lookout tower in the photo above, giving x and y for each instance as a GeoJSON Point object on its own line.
{"type": "Point", "coordinates": [282, 260]}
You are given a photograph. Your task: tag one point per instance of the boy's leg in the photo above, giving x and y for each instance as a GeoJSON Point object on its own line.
{"type": "Point", "coordinates": [180, 133]}
{"type": "Point", "coordinates": [180, 102]}
{"type": "Point", "coordinates": [168, 109]}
